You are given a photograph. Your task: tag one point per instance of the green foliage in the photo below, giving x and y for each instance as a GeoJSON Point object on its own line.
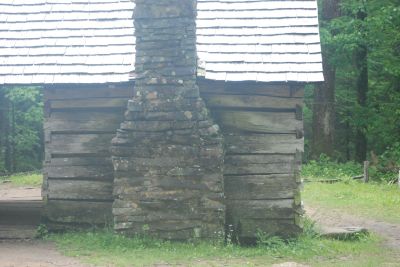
{"type": "Point", "coordinates": [271, 242]}
{"type": "Point", "coordinates": [105, 247]}
{"type": "Point", "coordinates": [42, 231]}
{"type": "Point", "coordinates": [387, 165]}
{"type": "Point", "coordinates": [24, 179]}
{"type": "Point", "coordinates": [382, 169]}
{"type": "Point", "coordinates": [3, 169]}
{"type": "Point", "coordinates": [325, 168]}
{"type": "Point", "coordinates": [380, 118]}
{"type": "Point", "coordinates": [309, 228]}
{"type": "Point", "coordinates": [23, 126]}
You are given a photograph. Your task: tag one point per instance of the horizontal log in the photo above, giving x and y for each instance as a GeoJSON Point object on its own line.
{"type": "Point", "coordinates": [79, 212]}
{"type": "Point", "coordinates": [91, 144]}
{"type": "Point", "coordinates": [255, 187]}
{"type": "Point", "coordinates": [77, 161]}
{"type": "Point", "coordinates": [233, 168]}
{"type": "Point", "coordinates": [18, 232]}
{"type": "Point", "coordinates": [260, 164]}
{"type": "Point", "coordinates": [257, 122]}
{"type": "Point", "coordinates": [90, 103]}
{"type": "Point", "coordinates": [261, 159]}
{"type": "Point", "coordinates": [251, 101]}
{"type": "Point", "coordinates": [88, 121]}
{"type": "Point", "coordinates": [60, 92]}
{"type": "Point", "coordinates": [250, 88]}
{"type": "Point", "coordinates": [95, 172]}
{"type": "Point", "coordinates": [263, 143]}
{"type": "Point", "coordinates": [81, 190]}
{"type": "Point", "coordinates": [16, 203]}
{"type": "Point", "coordinates": [250, 229]}
{"type": "Point", "coordinates": [130, 186]}
{"type": "Point", "coordinates": [261, 209]}
{"type": "Point", "coordinates": [20, 212]}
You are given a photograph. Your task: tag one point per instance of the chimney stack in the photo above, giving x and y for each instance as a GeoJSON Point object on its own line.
{"type": "Point", "coordinates": [168, 153]}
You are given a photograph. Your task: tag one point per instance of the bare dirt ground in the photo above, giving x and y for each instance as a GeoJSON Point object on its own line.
{"type": "Point", "coordinates": [26, 252]}
{"type": "Point", "coordinates": [336, 218]}
{"type": "Point", "coordinates": [8, 192]}
{"type": "Point", "coordinates": [33, 253]}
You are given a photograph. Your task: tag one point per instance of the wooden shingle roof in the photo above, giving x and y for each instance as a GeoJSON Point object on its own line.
{"type": "Point", "coordinates": [66, 41]}
{"type": "Point", "coordinates": [92, 41]}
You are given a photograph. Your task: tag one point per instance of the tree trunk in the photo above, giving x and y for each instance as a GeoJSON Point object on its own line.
{"type": "Point", "coordinates": [2, 128]}
{"type": "Point", "coordinates": [324, 114]}
{"type": "Point", "coordinates": [7, 136]}
{"type": "Point", "coordinates": [361, 62]}
{"type": "Point", "coordinates": [324, 95]}
{"type": "Point", "coordinates": [12, 140]}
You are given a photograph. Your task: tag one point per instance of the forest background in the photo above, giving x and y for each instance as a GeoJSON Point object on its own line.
{"type": "Point", "coordinates": [353, 116]}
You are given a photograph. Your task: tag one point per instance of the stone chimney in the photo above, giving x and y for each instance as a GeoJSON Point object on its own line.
{"type": "Point", "coordinates": [168, 153]}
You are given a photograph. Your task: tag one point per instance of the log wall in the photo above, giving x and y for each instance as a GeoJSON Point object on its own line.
{"type": "Point", "coordinates": [80, 121]}
{"type": "Point", "coordinates": [263, 130]}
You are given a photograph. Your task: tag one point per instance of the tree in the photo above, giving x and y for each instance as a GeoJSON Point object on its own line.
{"type": "Point", "coordinates": [363, 46]}
{"type": "Point", "coordinates": [3, 132]}
{"type": "Point", "coordinates": [361, 63]}
{"type": "Point", "coordinates": [324, 94]}
{"type": "Point", "coordinates": [21, 129]}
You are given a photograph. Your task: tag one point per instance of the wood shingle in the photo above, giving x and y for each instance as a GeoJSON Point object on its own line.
{"type": "Point", "coordinates": [93, 41]}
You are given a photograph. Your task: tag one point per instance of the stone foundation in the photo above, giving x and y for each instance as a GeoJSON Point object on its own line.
{"type": "Point", "coordinates": [168, 154]}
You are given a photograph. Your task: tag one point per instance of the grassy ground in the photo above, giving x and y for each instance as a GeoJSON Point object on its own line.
{"type": "Point", "coordinates": [104, 249]}
{"type": "Point", "coordinates": [378, 201]}
{"type": "Point", "coordinates": [23, 179]}
{"type": "Point", "coordinates": [107, 249]}
{"type": "Point", "coordinates": [373, 200]}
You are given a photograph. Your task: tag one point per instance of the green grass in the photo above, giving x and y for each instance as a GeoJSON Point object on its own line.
{"type": "Point", "coordinates": [373, 200]}
{"type": "Point", "coordinates": [24, 179]}
{"type": "Point", "coordinates": [324, 169]}
{"type": "Point", "coordinates": [106, 248]}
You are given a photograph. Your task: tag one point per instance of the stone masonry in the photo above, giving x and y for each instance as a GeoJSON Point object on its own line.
{"type": "Point", "coordinates": [168, 153]}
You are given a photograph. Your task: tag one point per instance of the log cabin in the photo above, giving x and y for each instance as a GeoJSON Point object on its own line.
{"type": "Point", "coordinates": [176, 119]}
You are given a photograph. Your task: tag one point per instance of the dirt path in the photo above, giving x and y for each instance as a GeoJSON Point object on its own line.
{"type": "Point", "coordinates": [18, 224]}
{"type": "Point", "coordinates": [336, 218]}
{"type": "Point", "coordinates": [14, 253]}
{"type": "Point", "coordinates": [9, 192]}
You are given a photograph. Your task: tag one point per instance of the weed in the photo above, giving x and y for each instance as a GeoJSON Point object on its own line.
{"type": "Point", "coordinates": [380, 170]}
{"type": "Point", "coordinates": [230, 237]}
{"type": "Point", "coordinates": [41, 231]}
{"type": "Point", "coordinates": [271, 242]}
{"type": "Point", "coordinates": [309, 228]}
{"type": "Point", "coordinates": [325, 168]}
{"type": "Point", "coordinates": [106, 247]}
